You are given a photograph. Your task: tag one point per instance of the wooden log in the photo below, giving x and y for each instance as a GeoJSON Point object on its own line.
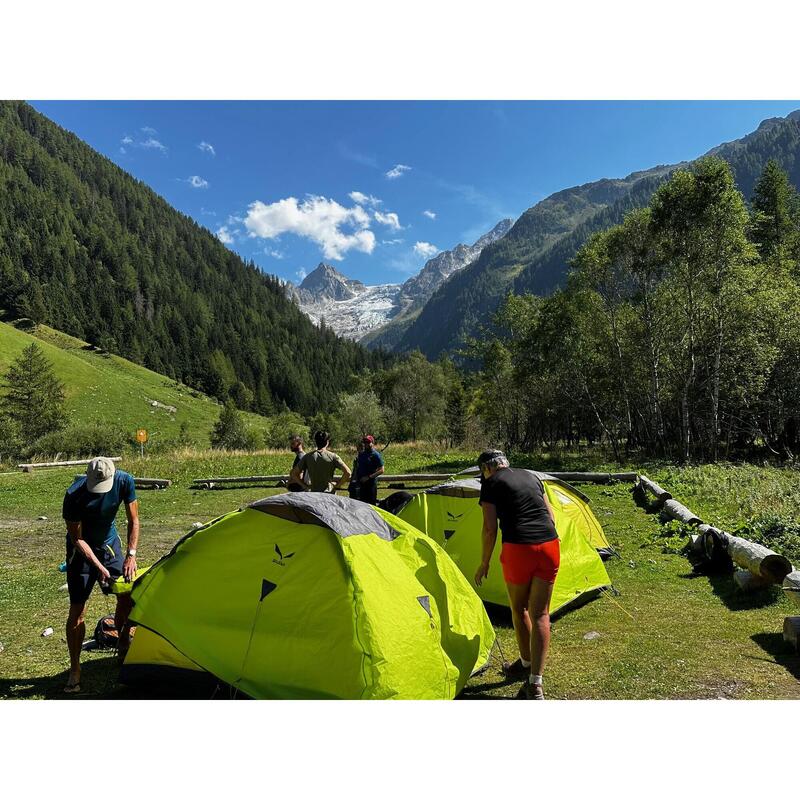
{"type": "Point", "coordinates": [791, 586]}
{"type": "Point", "coordinates": [757, 559]}
{"type": "Point", "coordinates": [791, 632]}
{"type": "Point", "coordinates": [676, 510]}
{"type": "Point", "coordinates": [144, 483]}
{"type": "Point", "coordinates": [654, 489]}
{"type": "Point", "coordinates": [414, 478]}
{"type": "Point", "coordinates": [747, 581]}
{"type": "Point", "coordinates": [43, 465]}
{"type": "Point", "coordinates": [152, 483]}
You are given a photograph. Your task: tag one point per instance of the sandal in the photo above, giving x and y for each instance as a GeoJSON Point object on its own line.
{"type": "Point", "coordinates": [72, 688]}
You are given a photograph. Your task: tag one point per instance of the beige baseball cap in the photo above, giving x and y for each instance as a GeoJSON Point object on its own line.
{"type": "Point", "coordinates": [100, 475]}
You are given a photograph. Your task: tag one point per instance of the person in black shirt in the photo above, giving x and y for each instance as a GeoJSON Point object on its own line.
{"type": "Point", "coordinates": [369, 464]}
{"type": "Point", "coordinates": [530, 559]}
{"type": "Point", "coordinates": [296, 443]}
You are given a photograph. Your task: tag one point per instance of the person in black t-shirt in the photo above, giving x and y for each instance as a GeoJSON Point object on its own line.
{"type": "Point", "coordinates": [530, 559]}
{"type": "Point", "coordinates": [296, 444]}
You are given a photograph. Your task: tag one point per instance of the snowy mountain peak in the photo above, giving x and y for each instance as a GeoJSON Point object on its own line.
{"type": "Point", "coordinates": [352, 309]}
{"type": "Point", "coordinates": [326, 283]}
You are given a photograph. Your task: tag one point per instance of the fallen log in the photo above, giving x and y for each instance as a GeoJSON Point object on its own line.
{"type": "Point", "coordinates": [758, 559]}
{"type": "Point", "coordinates": [413, 478]}
{"type": "Point", "coordinates": [654, 489]}
{"type": "Point", "coordinates": [46, 464]}
{"type": "Point", "coordinates": [145, 483]}
{"type": "Point", "coordinates": [676, 510]}
{"type": "Point", "coordinates": [791, 586]}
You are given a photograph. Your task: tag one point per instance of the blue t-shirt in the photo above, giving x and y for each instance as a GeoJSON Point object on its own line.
{"type": "Point", "coordinates": [97, 512]}
{"type": "Point", "coordinates": [368, 462]}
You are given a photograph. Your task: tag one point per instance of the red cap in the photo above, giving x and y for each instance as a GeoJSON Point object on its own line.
{"type": "Point", "coordinates": [368, 438]}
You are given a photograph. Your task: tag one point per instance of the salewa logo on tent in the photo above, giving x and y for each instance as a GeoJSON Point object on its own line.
{"type": "Point", "coordinates": [453, 517]}
{"type": "Point", "coordinates": [280, 559]}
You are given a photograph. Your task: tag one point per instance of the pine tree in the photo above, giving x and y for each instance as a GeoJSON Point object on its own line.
{"type": "Point", "coordinates": [34, 398]}
{"type": "Point", "coordinates": [454, 415]}
{"type": "Point", "coordinates": [775, 227]}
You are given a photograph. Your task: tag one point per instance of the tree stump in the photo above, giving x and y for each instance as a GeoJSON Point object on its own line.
{"type": "Point", "coordinates": [791, 632]}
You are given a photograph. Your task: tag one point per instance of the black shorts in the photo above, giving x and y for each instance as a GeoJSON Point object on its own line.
{"type": "Point", "coordinates": [368, 492]}
{"type": "Point", "coordinates": [82, 576]}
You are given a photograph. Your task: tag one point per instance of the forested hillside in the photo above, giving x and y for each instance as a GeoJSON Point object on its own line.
{"type": "Point", "coordinates": [91, 251]}
{"type": "Point", "coordinates": [534, 256]}
{"type": "Point", "coordinates": [677, 333]}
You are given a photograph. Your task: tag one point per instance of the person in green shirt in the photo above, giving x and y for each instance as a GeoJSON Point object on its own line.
{"type": "Point", "coordinates": [320, 466]}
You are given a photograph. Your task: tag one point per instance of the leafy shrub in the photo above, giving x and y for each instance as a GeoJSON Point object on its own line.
{"type": "Point", "coordinates": [231, 433]}
{"type": "Point", "coordinates": [79, 441]}
{"type": "Point", "coordinates": [776, 532]}
{"type": "Point", "coordinates": [673, 536]}
{"type": "Point", "coordinates": [279, 428]}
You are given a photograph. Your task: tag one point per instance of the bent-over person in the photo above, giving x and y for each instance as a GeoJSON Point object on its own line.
{"type": "Point", "coordinates": [94, 551]}
{"type": "Point", "coordinates": [530, 559]}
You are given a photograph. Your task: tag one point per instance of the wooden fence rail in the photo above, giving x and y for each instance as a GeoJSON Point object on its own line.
{"type": "Point", "coordinates": [48, 464]}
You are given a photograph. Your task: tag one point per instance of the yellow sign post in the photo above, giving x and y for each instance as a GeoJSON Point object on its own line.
{"type": "Point", "coordinates": [141, 437]}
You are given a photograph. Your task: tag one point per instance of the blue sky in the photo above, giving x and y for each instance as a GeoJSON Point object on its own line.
{"type": "Point", "coordinates": [375, 188]}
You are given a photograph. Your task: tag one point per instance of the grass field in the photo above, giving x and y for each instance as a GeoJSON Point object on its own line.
{"type": "Point", "coordinates": [108, 390]}
{"type": "Point", "coordinates": [669, 634]}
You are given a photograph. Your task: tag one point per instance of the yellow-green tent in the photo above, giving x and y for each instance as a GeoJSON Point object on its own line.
{"type": "Point", "coordinates": [310, 596]}
{"type": "Point", "coordinates": [451, 515]}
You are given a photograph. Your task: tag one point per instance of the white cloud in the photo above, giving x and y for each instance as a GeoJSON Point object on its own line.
{"type": "Point", "coordinates": [429, 214]}
{"type": "Point", "coordinates": [153, 144]}
{"type": "Point", "coordinates": [123, 150]}
{"type": "Point", "coordinates": [207, 212]}
{"type": "Point", "coordinates": [397, 170]}
{"type": "Point", "coordinates": [393, 241]}
{"type": "Point", "coordinates": [275, 254]}
{"type": "Point", "coordinates": [148, 144]}
{"type": "Point", "coordinates": [426, 249]}
{"type": "Point", "coordinates": [196, 182]}
{"type": "Point", "coordinates": [364, 199]}
{"type": "Point", "coordinates": [224, 235]}
{"type": "Point", "coordinates": [149, 131]}
{"type": "Point", "coordinates": [301, 274]}
{"type": "Point", "coordinates": [390, 219]}
{"type": "Point", "coordinates": [207, 148]}
{"type": "Point", "coordinates": [316, 218]}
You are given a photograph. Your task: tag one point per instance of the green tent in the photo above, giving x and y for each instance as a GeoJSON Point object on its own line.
{"type": "Point", "coordinates": [310, 596]}
{"type": "Point", "coordinates": [451, 515]}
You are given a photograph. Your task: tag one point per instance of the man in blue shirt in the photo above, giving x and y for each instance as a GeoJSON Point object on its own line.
{"type": "Point", "coordinates": [94, 551]}
{"type": "Point", "coordinates": [370, 465]}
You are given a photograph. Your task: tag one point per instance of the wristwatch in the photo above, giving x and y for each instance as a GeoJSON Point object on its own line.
{"type": "Point", "coordinates": [132, 551]}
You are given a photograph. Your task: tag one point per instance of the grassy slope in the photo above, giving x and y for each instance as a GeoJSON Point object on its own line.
{"type": "Point", "coordinates": [690, 637]}
{"type": "Point", "coordinates": [108, 389]}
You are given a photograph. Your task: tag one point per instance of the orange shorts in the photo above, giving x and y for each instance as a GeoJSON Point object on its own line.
{"type": "Point", "coordinates": [523, 562]}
